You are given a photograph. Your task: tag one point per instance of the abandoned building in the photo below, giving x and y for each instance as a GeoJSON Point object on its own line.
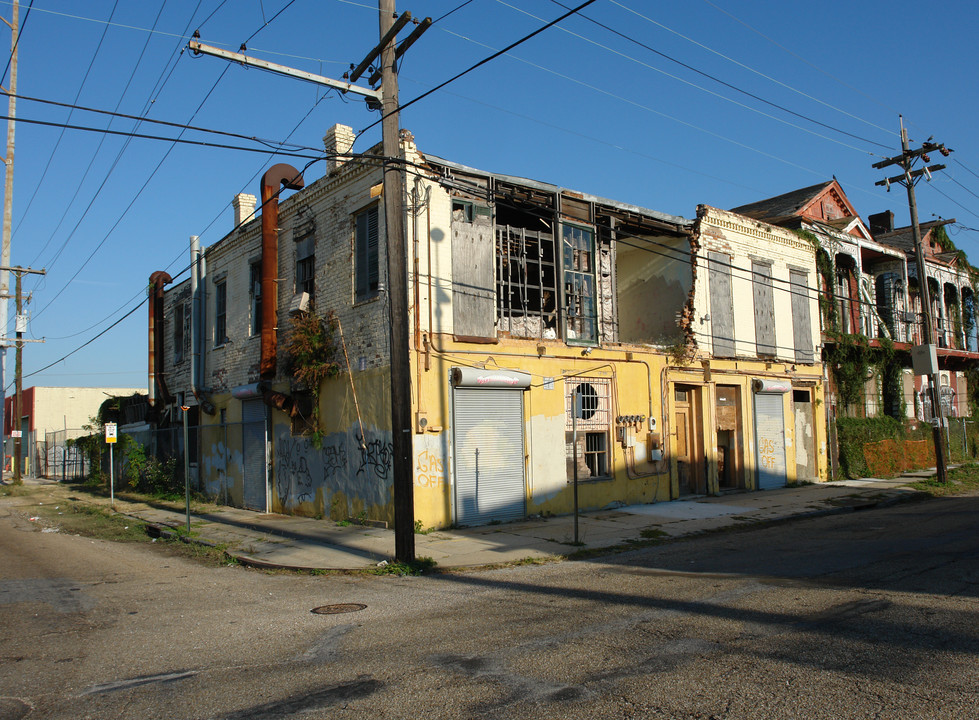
{"type": "Point", "coordinates": [555, 337]}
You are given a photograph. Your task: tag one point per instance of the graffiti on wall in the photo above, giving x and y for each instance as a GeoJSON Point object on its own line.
{"type": "Point", "coordinates": [375, 458]}
{"type": "Point", "coordinates": [429, 472]}
{"type": "Point", "coordinates": [341, 463]}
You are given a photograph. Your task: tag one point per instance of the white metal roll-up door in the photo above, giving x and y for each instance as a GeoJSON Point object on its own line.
{"type": "Point", "coordinates": [769, 440]}
{"type": "Point", "coordinates": [489, 456]}
{"type": "Point", "coordinates": [253, 444]}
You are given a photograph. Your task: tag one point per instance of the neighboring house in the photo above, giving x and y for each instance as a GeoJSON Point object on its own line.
{"type": "Point", "coordinates": [869, 283]}
{"type": "Point", "coordinates": [554, 336]}
{"type": "Point", "coordinates": [49, 415]}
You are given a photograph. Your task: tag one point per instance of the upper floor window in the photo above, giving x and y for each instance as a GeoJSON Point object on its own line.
{"type": "Point", "coordinates": [306, 265]}
{"type": "Point", "coordinates": [581, 318]}
{"type": "Point", "coordinates": [220, 312]}
{"type": "Point", "coordinates": [366, 274]}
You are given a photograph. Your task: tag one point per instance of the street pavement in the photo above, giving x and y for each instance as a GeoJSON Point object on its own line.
{"type": "Point", "coordinates": [280, 541]}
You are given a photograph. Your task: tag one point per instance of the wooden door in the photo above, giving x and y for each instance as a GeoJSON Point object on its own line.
{"type": "Point", "coordinates": [689, 441]}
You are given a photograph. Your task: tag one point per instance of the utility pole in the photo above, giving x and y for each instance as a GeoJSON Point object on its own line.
{"type": "Point", "coordinates": [394, 208]}
{"type": "Point", "coordinates": [8, 207]}
{"type": "Point", "coordinates": [908, 179]}
{"type": "Point", "coordinates": [19, 325]}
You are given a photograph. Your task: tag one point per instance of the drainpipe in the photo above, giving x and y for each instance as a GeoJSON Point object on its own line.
{"type": "Point", "coordinates": [155, 337]}
{"type": "Point", "coordinates": [195, 315]}
{"type": "Point", "coordinates": [292, 179]}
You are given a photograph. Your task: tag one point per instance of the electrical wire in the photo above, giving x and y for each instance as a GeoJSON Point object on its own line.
{"type": "Point", "coordinates": [145, 184]}
{"type": "Point", "coordinates": [81, 183]}
{"type": "Point", "coordinates": [650, 109]}
{"type": "Point", "coordinates": [78, 94]}
{"type": "Point", "coordinates": [793, 54]}
{"type": "Point", "coordinates": [165, 138]}
{"type": "Point", "coordinates": [479, 64]}
{"type": "Point", "coordinates": [710, 77]}
{"type": "Point", "coordinates": [182, 126]}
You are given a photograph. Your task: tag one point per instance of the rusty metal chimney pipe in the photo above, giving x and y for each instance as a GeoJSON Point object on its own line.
{"type": "Point", "coordinates": [290, 178]}
{"type": "Point", "coordinates": [155, 334]}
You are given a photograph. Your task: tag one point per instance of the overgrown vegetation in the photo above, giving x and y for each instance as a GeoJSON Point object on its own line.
{"type": "Point", "coordinates": [886, 447]}
{"type": "Point", "coordinates": [314, 353]}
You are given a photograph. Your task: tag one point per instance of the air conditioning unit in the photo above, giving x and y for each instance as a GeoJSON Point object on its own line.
{"type": "Point", "coordinates": [299, 304]}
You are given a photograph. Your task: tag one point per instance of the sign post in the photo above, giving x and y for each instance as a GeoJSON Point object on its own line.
{"type": "Point", "coordinates": [110, 438]}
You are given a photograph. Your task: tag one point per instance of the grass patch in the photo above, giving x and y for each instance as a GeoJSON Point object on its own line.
{"type": "Point", "coordinates": [91, 521]}
{"type": "Point", "coordinates": [652, 533]}
{"type": "Point", "coordinates": [961, 480]}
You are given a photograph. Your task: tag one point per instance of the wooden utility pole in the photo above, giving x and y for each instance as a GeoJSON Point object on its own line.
{"type": "Point", "coordinates": [908, 179]}
{"type": "Point", "coordinates": [19, 326]}
{"type": "Point", "coordinates": [8, 205]}
{"type": "Point", "coordinates": [394, 207]}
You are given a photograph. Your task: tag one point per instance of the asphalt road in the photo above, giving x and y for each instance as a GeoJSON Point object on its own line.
{"type": "Point", "coordinates": [866, 615]}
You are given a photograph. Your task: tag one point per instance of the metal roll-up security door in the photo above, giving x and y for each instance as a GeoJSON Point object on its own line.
{"type": "Point", "coordinates": [770, 433]}
{"type": "Point", "coordinates": [253, 446]}
{"type": "Point", "coordinates": [489, 447]}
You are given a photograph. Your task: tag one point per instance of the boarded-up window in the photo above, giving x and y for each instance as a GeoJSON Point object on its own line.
{"type": "Point", "coordinates": [761, 283]}
{"type": "Point", "coordinates": [801, 318]}
{"type": "Point", "coordinates": [721, 304]}
{"type": "Point", "coordinates": [366, 255]}
{"type": "Point", "coordinates": [473, 298]}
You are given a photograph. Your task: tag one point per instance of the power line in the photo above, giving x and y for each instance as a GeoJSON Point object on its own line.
{"type": "Point", "coordinates": [480, 64]}
{"type": "Point", "coordinates": [78, 94]}
{"type": "Point", "coordinates": [91, 162]}
{"type": "Point", "coordinates": [795, 55]}
{"type": "Point", "coordinates": [177, 140]}
{"type": "Point", "coordinates": [647, 108]}
{"type": "Point", "coordinates": [710, 77]}
{"type": "Point", "coordinates": [141, 119]}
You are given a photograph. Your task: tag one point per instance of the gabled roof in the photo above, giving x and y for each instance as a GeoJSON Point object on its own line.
{"type": "Point", "coordinates": [782, 206]}
{"type": "Point", "coordinates": [808, 202]}
{"type": "Point", "coordinates": [903, 238]}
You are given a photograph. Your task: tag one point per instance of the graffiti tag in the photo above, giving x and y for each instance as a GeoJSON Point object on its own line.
{"type": "Point", "coordinates": [428, 470]}
{"type": "Point", "coordinates": [375, 458]}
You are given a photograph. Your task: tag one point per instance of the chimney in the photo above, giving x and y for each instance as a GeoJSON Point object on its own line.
{"type": "Point", "coordinates": [244, 205]}
{"type": "Point", "coordinates": [881, 223]}
{"type": "Point", "coordinates": [338, 140]}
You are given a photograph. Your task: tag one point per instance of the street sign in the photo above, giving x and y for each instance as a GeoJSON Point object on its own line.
{"type": "Point", "coordinates": [110, 432]}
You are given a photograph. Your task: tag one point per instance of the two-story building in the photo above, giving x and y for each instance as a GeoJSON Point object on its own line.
{"type": "Point", "coordinates": [555, 338]}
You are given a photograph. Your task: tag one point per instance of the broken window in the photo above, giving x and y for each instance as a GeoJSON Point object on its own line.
{"type": "Point", "coordinates": [589, 414]}
{"type": "Point", "coordinates": [581, 318]}
{"type": "Point", "coordinates": [526, 282]}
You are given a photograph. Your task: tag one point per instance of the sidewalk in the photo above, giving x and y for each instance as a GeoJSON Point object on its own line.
{"type": "Point", "coordinates": [280, 541]}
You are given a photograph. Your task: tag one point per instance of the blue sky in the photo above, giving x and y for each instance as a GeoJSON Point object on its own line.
{"type": "Point", "coordinates": [584, 106]}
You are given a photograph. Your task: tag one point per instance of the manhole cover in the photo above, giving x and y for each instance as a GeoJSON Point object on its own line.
{"type": "Point", "coordinates": [338, 608]}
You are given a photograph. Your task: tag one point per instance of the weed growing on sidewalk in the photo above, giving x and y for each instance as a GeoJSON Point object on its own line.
{"type": "Point", "coordinates": [419, 566]}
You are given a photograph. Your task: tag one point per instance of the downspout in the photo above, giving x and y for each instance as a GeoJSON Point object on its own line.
{"type": "Point", "coordinates": [290, 178]}
{"type": "Point", "coordinates": [155, 338]}
{"type": "Point", "coordinates": [195, 315]}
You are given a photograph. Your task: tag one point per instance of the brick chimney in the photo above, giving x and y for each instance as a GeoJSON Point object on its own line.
{"type": "Point", "coordinates": [339, 139]}
{"type": "Point", "coordinates": [881, 223]}
{"type": "Point", "coordinates": [244, 205]}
